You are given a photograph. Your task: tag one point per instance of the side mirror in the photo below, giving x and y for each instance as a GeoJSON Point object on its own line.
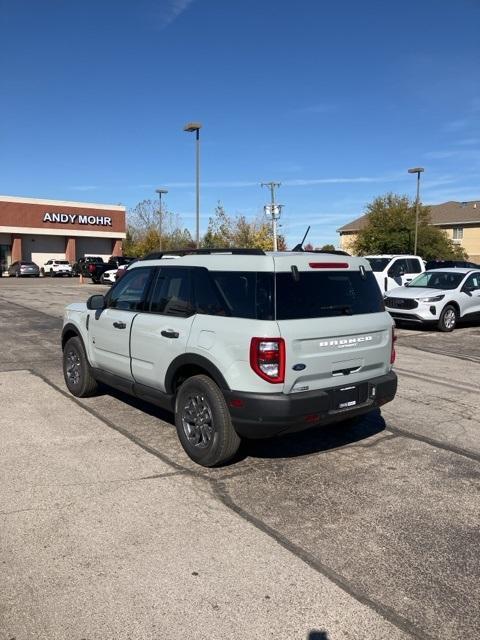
{"type": "Point", "coordinates": [96, 302]}
{"type": "Point", "coordinates": [468, 290]}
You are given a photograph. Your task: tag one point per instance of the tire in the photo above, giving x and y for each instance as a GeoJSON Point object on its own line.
{"type": "Point", "coordinates": [76, 369]}
{"type": "Point", "coordinates": [51, 273]}
{"type": "Point", "coordinates": [214, 441]}
{"type": "Point", "coordinates": [448, 318]}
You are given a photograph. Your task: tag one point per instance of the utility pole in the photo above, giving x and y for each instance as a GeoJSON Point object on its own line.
{"type": "Point", "coordinates": [160, 214]}
{"type": "Point", "coordinates": [418, 171]}
{"type": "Point", "coordinates": [273, 210]}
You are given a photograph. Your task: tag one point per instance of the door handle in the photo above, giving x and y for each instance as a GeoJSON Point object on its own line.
{"type": "Point", "coordinates": [119, 325]}
{"type": "Point", "coordinates": [170, 334]}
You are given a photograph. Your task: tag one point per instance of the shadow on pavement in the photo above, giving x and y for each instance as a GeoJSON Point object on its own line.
{"type": "Point", "coordinates": [313, 440]}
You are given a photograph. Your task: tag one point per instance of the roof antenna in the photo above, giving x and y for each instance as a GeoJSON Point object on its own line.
{"type": "Point", "coordinates": [299, 247]}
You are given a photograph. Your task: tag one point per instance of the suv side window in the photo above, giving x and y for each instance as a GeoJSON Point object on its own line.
{"type": "Point", "coordinates": [472, 282]}
{"type": "Point", "coordinates": [172, 292]}
{"type": "Point", "coordinates": [130, 292]}
{"type": "Point", "coordinates": [246, 294]}
{"type": "Point", "coordinates": [207, 298]}
{"type": "Point", "coordinates": [414, 265]}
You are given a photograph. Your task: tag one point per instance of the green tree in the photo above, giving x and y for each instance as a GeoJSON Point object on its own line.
{"type": "Point", "coordinates": [143, 231]}
{"type": "Point", "coordinates": [390, 228]}
{"type": "Point", "coordinates": [226, 231]}
{"type": "Point", "coordinates": [326, 247]}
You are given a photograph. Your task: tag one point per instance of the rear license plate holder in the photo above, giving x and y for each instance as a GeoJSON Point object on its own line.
{"type": "Point", "coordinates": [346, 397]}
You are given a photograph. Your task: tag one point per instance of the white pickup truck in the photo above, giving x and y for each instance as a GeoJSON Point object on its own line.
{"type": "Point", "coordinates": [393, 271]}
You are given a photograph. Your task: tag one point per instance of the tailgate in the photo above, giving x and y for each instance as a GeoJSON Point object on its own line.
{"type": "Point", "coordinates": [331, 315]}
{"type": "Point", "coordinates": [322, 354]}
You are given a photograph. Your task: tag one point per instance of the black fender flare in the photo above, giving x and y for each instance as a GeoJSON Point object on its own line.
{"type": "Point", "coordinates": [70, 328]}
{"type": "Point", "coordinates": [196, 360]}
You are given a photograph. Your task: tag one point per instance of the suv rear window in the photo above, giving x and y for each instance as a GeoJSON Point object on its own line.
{"type": "Point", "coordinates": [327, 294]}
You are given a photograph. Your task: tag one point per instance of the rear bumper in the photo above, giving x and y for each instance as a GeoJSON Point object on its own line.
{"type": "Point", "coordinates": [262, 415]}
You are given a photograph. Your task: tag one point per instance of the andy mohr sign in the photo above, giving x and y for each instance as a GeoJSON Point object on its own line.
{"type": "Point", "coordinates": [74, 218]}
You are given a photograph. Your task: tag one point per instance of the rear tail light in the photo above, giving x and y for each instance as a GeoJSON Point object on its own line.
{"type": "Point", "coordinates": [91, 268]}
{"type": "Point", "coordinates": [267, 358]}
{"type": "Point", "coordinates": [393, 354]}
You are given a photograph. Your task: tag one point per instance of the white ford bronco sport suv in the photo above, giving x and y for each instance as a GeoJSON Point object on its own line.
{"type": "Point", "coordinates": [237, 343]}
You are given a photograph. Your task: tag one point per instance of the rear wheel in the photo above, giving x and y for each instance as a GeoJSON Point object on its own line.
{"type": "Point", "coordinates": [76, 369]}
{"type": "Point", "coordinates": [203, 422]}
{"type": "Point", "coordinates": [448, 318]}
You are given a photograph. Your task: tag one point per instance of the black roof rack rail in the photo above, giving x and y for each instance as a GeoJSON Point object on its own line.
{"type": "Point", "coordinates": [156, 255]}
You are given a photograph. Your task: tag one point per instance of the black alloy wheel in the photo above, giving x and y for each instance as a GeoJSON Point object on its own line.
{"type": "Point", "coordinates": [204, 425]}
{"type": "Point", "coordinates": [76, 369]}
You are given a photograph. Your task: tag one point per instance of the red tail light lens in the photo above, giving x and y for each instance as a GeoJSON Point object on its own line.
{"type": "Point", "coordinates": [393, 354]}
{"type": "Point", "coordinates": [267, 358]}
{"type": "Point", "coordinates": [91, 268]}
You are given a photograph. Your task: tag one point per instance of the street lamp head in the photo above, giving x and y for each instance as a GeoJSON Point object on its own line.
{"type": "Point", "coordinates": [416, 170]}
{"type": "Point", "coordinates": [161, 191]}
{"type": "Point", "coordinates": [192, 126]}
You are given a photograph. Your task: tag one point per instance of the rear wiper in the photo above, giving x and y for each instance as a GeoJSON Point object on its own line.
{"type": "Point", "coordinates": [346, 309]}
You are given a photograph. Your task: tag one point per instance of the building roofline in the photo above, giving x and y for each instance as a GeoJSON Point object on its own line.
{"type": "Point", "coordinates": [63, 203]}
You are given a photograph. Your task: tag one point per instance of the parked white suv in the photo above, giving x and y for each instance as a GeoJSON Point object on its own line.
{"type": "Point", "coordinates": [441, 297]}
{"type": "Point", "coordinates": [56, 268]}
{"type": "Point", "coordinates": [395, 270]}
{"type": "Point", "coordinates": [237, 344]}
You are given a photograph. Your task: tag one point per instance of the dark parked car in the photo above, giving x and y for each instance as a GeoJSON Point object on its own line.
{"type": "Point", "coordinates": [94, 268]}
{"type": "Point", "coordinates": [24, 268]}
{"type": "Point", "coordinates": [450, 264]}
{"type": "Point", "coordinates": [84, 265]}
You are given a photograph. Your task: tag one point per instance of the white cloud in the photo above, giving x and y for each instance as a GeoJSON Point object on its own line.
{"type": "Point", "coordinates": [440, 155]}
{"type": "Point", "coordinates": [314, 109]}
{"type": "Point", "coordinates": [170, 10]}
{"type": "Point", "coordinates": [300, 182]}
{"type": "Point", "coordinates": [456, 125]}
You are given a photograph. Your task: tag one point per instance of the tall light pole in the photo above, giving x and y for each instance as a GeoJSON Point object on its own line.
{"type": "Point", "coordinates": [195, 127]}
{"type": "Point", "coordinates": [160, 192]}
{"type": "Point", "coordinates": [273, 210]}
{"type": "Point", "coordinates": [418, 171]}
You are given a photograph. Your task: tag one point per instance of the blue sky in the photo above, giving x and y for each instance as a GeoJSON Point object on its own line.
{"type": "Point", "coordinates": [334, 100]}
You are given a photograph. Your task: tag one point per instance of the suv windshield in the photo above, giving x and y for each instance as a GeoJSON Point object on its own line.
{"type": "Point", "coordinates": [327, 294]}
{"type": "Point", "coordinates": [378, 264]}
{"type": "Point", "coordinates": [437, 280]}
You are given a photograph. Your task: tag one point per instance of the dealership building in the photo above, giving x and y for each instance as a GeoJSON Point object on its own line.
{"type": "Point", "coordinates": [39, 230]}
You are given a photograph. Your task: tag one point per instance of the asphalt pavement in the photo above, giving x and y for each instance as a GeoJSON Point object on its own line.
{"type": "Point", "coordinates": [110, 531]}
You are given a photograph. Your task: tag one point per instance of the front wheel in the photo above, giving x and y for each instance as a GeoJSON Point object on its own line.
{"type": "Point", "coordinates": [76, 369]}
{"type": "Point", "coordinates": [448, 318]}
{"type": "Point", "coordinates": [203, 422]}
